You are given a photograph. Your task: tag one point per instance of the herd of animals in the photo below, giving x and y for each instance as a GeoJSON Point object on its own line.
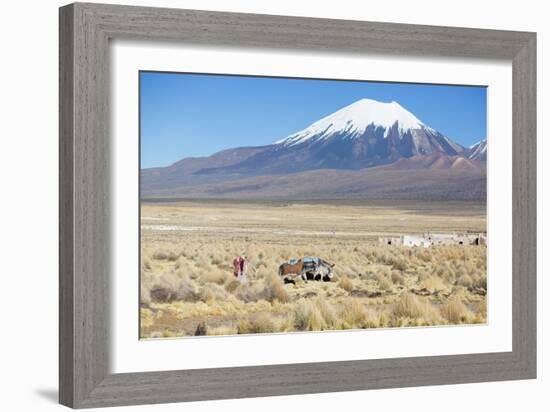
{"type": "Point", "coordinates": [306, 269]}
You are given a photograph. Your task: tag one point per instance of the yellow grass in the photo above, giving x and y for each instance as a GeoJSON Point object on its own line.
{"type": "Point", "coordinates": [345, 283]}
{"type": "Point", "coordinates": [413, 307]}
{"type": "Point", "coordinates": [455, 311]}
{"type": "Point", "coordinates": [187, 275]}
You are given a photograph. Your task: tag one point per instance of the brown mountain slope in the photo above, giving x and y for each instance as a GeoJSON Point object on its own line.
{"type": "Point", "coordinates": [421, 178]}
{"type": "Point", "coordinates": [436, 161]}
{"type": "Point", "coordinates": [184, 172]}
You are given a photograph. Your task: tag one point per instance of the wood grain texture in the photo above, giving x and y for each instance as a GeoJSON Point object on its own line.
{"type": "Point", "coordinates": [85, 31]}
{"type": "Point", "coordinates": [524, 225]}
{"type": "Point", "coordinates": [66, 109]}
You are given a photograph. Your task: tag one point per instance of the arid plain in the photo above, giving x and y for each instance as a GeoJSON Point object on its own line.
{"type": "Point", "coordinates": [188, 287]}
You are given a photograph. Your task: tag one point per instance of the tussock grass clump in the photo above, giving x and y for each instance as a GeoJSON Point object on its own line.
{"type": "Point", "coordinates": [447, 275]}
{"type": "Point", "coordinates": [144, 295]}
{"type": "Point", "coordinates": [329, 314]}
{"type": "Point", "coordinates": [424, 255]}
{"type": "Point", "coordinates": [270, 289]}
{"type": "Point", "coordinates": [455, 311]}
{"type": "Point", "coordinates": [481, 312]}
{"type": "Point", "coordinates": [201, 329]}
{"type": "Point", "coordinates": [222, 330]}
{"type": "Point", "coordinates": [383, 282]}
{"type": "Point", "coordinates": [433, 283]}
{"type": "Point", "coordinates": [165, 255]}
{"type": "Point", "coordinates": [481, 281]}
{"type": "Point", "coordinates": [399, 263]}
{"type": "Point", "coordinates": [307, 316]}
{"type": "Point", "coordinates": [274, 289]}
{"type": "Point", "coordinates": [354, 314]}
{"type": "Point", "coordinates": [259, 324]}
{"type": "Point", "coordinates": [465, 281]}
{"type": "Point", "coordinates": [169, 287]}
{"type": "Point", "coordinates": [213, 276]}
{"type": "Point", "coordinates": [397, 277]}
{"type": "Point", "coordinates": [231, 285]}
{"type": "Point", "coordinates": [345, 283]}
{"type": "Point", "coordinates": [212, 292]}
{"type": "Point", "coordinates": [318, 315]}
{"type": "Point", "coordinates": [181, 263]}
{"type": "Point", "coordinates": [145, 264]}
{"type": "Point", "coordinates": [146, 317]}
{"type": "Point", "coordinates": [410, 306]}
{"type": "Point", "coordinates": [249, 292]}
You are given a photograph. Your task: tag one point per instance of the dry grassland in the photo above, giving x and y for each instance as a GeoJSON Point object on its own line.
{"type": "Point", "coordinates": [188, 288]}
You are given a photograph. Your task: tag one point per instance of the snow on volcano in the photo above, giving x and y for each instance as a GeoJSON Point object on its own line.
{"type": "Point", "coordinates": [379, 132]}
{"type": "Point", "coordinates": [353, 120]}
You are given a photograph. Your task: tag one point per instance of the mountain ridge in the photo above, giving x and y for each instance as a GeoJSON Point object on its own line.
{"type": "Point", "coordinates": [363, 135]}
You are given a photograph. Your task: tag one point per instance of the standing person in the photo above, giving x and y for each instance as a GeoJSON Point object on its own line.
{"type": "Point", "coordinates": [243, 266]}
{"type": "Point", "coordinates": [236, 267]}
{"type": "Point", "coordinates": [239, 268]}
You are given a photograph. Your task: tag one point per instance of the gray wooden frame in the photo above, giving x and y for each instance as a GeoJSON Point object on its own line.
{"type": "Point", "coordinates": [85, 31]}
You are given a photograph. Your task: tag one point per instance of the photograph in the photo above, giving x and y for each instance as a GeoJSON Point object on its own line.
{"type": "Point", "coordinates": [290, 205]}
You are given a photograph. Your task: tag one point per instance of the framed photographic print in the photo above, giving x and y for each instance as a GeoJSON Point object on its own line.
{"type": "Point", "coordinates": [367, 218]}
{"type": "Point", "coordinates": [260, 205]}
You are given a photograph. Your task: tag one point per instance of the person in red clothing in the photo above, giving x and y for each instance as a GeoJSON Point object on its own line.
{"type": "Point", "coordinates": [239, 267]}
{"type": "Point", "coordinates": [236, 267]}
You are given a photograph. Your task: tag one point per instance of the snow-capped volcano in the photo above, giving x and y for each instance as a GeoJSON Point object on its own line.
{"type": "Point", "coordinates": [364, 134]}
{"type": "Point", "coordinates": [355, 119]}
{"type": "Point", "coordinates": [377, 132]}
{"type": "Point", "coordinates": [338, 152]}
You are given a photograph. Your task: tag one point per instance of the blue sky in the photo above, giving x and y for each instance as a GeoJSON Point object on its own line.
{"type": "Point", "coordinates": [185, 115]}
